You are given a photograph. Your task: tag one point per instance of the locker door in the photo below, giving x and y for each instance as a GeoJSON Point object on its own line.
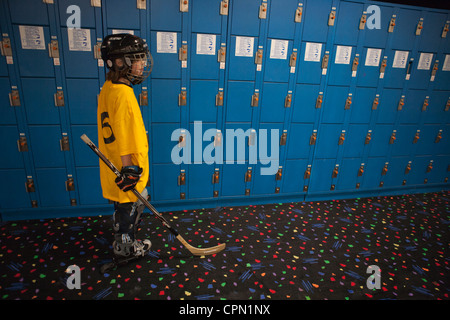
{"type": "Point", "coordinates": [242, 62]}
{"type": "Point", "coordinates": [165, 15]}
{"type": "Point", "coordinates": [165, 106]}
{"type": "Point", "coordinates": [245, 19]}
{"type": "Point", "coordinates": [315, 20]}
{"type": "Point", "coordinates": [38, 96]}
{"type": "Point", "coordinates": [426, 143]}
{"type": "Point", "coordinates": [369, 66]}
{"type": "Point", "coordinates": [119, 15]}
{"type": "Point", "coordinates": [354, 140]}
{"type": "Point", "coordinates": [310, 62]}
{"type": "Point", "coordinates": [84, 156]}
{"type": "Point", "coordinates": [203, 101]}
{"type": "Point", "coordinates": [239, 134]}
{"type": "Point", "coordinates": [327, 141]}
{"type": "Point", "coordinates": [404, 140]}
{"type": "Point", "coordinates": [7, 113]}
{"type": "Point", "coordinates": [272, 102]}
{"type": "Point", "coordinates": [379, 145]}
{"type": "Point", "coordinates": [304, 103]}
{"type": "Point", "coordinates": [347, 23]}
{"type": "Point", "coordinates": [361, 108]}
{"type": "Point", "coordinates": [419, 170]}
{"type": "Point", "coordinates": [334, 104]}
{"type": "Point", "coordinates": [396, 69]}
{"type": "Point", "coordinates": [376, 38]}
{"type": "Point", "coordinates": [239, 96]}
{"type": "Point", "coordinates": [278, 53]}
{"type": "Point", "coordinates": [233, 179]}
{"type": "Point", "coordinates": [396, 172]}
{"type": "Point", "coordinates": [200, 181]}
{"type": "Point", "coordinates": [282, 24]}
{"type": "Point", "coordinates": [321, 175]}
{"type": "Point", "coordinates": [165, 182]}
{"type": "Point", "coordinates": [51, 185]}
{"type": "Point", "coordinates": [263, 184]}
{"type": "Point", "coordinates": [435, 112]}
{"type": "Point", "coordinates": [348, 174]}
{"type": "Point", "coordinates": [298, 141]}
{"type": "Point", "coordinates": [372, 173]}
{"type": "Point", "coordinates": [440, 170]}
{"type": "Point", "coordinates": [204, 51]}
{"type": "Point", "coordinates": [82, 107]}
{"type": "Point", "coordinates": [340, 65]}
{"type": "Point", "coordinates": [166, 63]}
{"type": "Point", "coordinates": [431, 33]}
{"type": "Point", "coordinates": [405, 28]}
{"type": "Point", "coordinates": [421, 73]}
{"type": "Point", "coordinates": [90, 193]}
{"type": "Point", "coordinates": [45, 145]}
{"type": "Point", "coordinates": [16, 197]}
{"type": "Point", "coordinates": [293, 176]}
{"type": "Point", "coordinates": [206, 16]}
{"type": "Point", "coordinates": [388, 105]}
{"type": "Point", "coordinates": [442, 81]}
{"type": "Point", "coordinates": [412, 110]}
{"type": "Point", "coordinates": [11, 158]}
{"type": "Point", "coordinates": [162, 143]}
{"type": "Point", "coordinates": [36, 12]}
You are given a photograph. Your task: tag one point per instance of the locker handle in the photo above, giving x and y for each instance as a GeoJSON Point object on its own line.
{"type": "Point", "coordinates": [361, 171]}
{"type": "Point", "coordinates": [384, 170]}
{"type": "Point", "coordinates": [215, 177]}
{"type": "Point", "coordinates": [313, 138]}
{"type": "Point", "coordinates": [335, 172]}
{"type": "Point", "coordinates": [408, 168]}
{"type": "Point", "coordinates": [307, 173]}
{"type": "Point", "coordinates": [430, 167]}
{"type": "Point", "coordinates": [279, 174]}
{"type": "Point", "coordinates": [416, 137]}
{"type": "Point", "coordinates": [438, 137]}
{"type": "Point", "coordinates": [248, 176]}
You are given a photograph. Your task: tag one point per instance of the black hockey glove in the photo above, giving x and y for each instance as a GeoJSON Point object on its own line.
{"type": "Point", "coordinates": [129, 178]}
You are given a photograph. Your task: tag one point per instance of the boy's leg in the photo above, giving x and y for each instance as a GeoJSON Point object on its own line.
{"type": "Point", "coordinates": [126, 219]}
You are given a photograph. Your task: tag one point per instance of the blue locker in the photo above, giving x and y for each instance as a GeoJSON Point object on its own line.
{"type": "Point", "coordinates": [119, 15]}
{"type": "Point", "coordinates": [239, 98]}
{"type": "Point", "coordinates": [164, 180]}
{"type": "Point", "coordinates": [199, 180]}
{"type": "Point", "coordinates": [341, 73]}
{"type": "Point", "coordinates": [412, 110]}
{"type": "Point", "coordinates": [348, 174]}
{"type": "Point", "coordinates": [245, 19]}
{"type": "Point", "coordinates": [262, 184]}
{"type": "Point", "coordinates": [84, 156]}
{"type": "Point", "coordinates": [166, 65]}
{"type": "Point", "coordinates": [202, 102]}
{"type": "Point", "coordinates": [45, 145]}
{"type": "Point", "coordinates": [354, 140]}
{"type": "Point", "coordinates": [277, 69]}
{"type": "Point", "coordinates": [368, 75]}
{"type": "Point", "coordinates": [379, 145]}
{"type": "Point", "coordinates": [272, 102]}
{"type": "Point", "coordinates": [3, 67]}
{"type": "Point", "coordinates": [404, 140]}
{"type": "Point", "coordinates": [7, 113]}
{"type": "Point", "coordinates": [396, 172]}
{"type": "Point", "coordinates": [372, 174]}
{"type": "Point", "coordinates": [242, 67]}
{"type": "Point", "coordinates": [35, 12]}
{"type": "Point", "coordinates": [334, 104]}
{"type": "Point", "coordinates": [293, 176]}
{"type": "Point", "coordinates": [77, 62]}
{"type": "Point", "coordinates": [282, 24]}
{"type": "Point", "coordinates": [165, 15]}
{"type": "Point", "coordinates": [162, 145]}
{"type": "Point", "coordinates": [315, 17]}
{"type": "Point", "coordinates": [39, 101]}
{"type": "Point", "coordinates": [321, 175]}
{"type": "Point", "coordinates": [298, 140]}
{"type": "Point", "coordinates": [205, 16]}
{"type": "Point", "coordinates": [310, 71]}
{"type": "Point", "coordinates": [204, 66]}
{"type": "Point", "coordinates": [420, 78]}
{"type": "Point", "coordinates": [327, 141]}
{"type": "Point", "coordinates": [388, 105]}
{"type": "Point", "coordinates": [232, 177]}
{"type": "Point", "coordinates": [404, 33]}
{"type": "Point", "coordinates": [395, 77]}
{"type": "Point", "coordinates": [304, 103]}
{"type": "Point", "coordinates": [87, 13]}
{"type": "Point", "coordinates": [90, 193]}
{"type": "Point", "coordinates": [34, 62]}
{"type": "Point", "coordinates": [377, 38]}
{"type": "Point", "coordinates": [431, 39]}
{"type": "Point", "coordinates": [82, 107]}
{"type": "Point", "coordinates": [11, 158]}
{"type": "Point", "coordinates": [442, 79]}
{"type": "Point", "coordinates": [426, 143]}
{"type": "Point", "coordinates": [201, 150]}
{"type": "Point", "coordinates": [239, 145]}
{"type": "Point", "coordinates": [51, 185]}
{"type": "Point", "coordinates": [419, 170]}
{"type": "Point", "coordinates": [16, 197]}
{"type": "Point", "coordinates": [165, 106]}
{"type": "Point", "coordinates": [347, 23]}
{"type": "Point", "coordinates": [435, 112]}
{"type": "Point", "coordinates": [362, 102]}
{"type": "Point", "coordinates": [440, 170]}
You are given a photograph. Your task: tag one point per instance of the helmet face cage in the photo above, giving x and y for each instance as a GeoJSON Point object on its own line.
{"type": "Point", "coordinates": [139, 66]}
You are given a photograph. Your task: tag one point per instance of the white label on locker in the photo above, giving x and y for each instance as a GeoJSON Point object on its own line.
{"type": "Point", "coordinates": [446, 66]}
{"type": "Point", "coordinates": [206, 44]}
{"type": "Point", "coordinates": [32, 37]}
{"type": "Point", "coordinates": [343, 54]}
{"type": "Point", "coordinates": [373, 57]}
{"type": "Point", "coordinates": [116, 31]}
{"type": "Point", "coordinates": [166, 42]}
{"type": "Point", "coordinates": [79, 39]}
{"type": "Point", "coordinates": [244, 47]}
{"type": "Point", "coordinates": [400, 59]}
{"type": "Point", "coordinates": [313, 51]}
{"type": "Point", "coordinates": [279, 49]}
{"type": "Point", "coordinates": [425, 61]}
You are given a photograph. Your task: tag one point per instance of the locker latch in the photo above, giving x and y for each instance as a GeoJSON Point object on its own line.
{"type": "Point", "coordinates": [182, 98]}
{"type": "Point", "coordinates": [97, 51]}
{"type": "Point", "coordinates": [299, 13]}
{"type": "Point", "coordinates": [383, 65]}
{"type": "Point", "coordinates": [375, 103]}
{"type": "Point", "coordinates": [430, 166]}
{"type": "Point", "coordinates": [307, 174]}
{"type": "Point", "coordinates": [361, 170]}
{"type": "Point", "coordinates": [445, 30]}
{"type": "Point", "coordinates": [219, 99]}
{"type": "Point", "coordinates": [325, 61]}
{"type": "Point", "coordinates": [143, 98]}
{"type": "Point", "coordinates": [435, 68]}
{"type": "Point", "coordinates": [425, 104]}
{"type": "Point", "coordinates": [64, 143]}
{"type": "Point", "coordinates": [279, 174]}
{"type": "Point", "coordinates": [408, 168]}
{"type": "Point", "coordinates": [368, 137]}
{"type": "Point", "coordinates": [218, 139]}
{"type": "Point", "coordinates": [29, 185]}
{"type": "Point", "coordinates": [293, 59]}
{"type": "Point", "coordinates": [392, 24]}
{"type": "Point", "coordinates": [22, 143]}
{"type": "Point", "coordinates": [259, 56]}
{"type": "Point", "coordinates": [348, 102]}
{"type": "Point", "coordinates": [416, 136]}
{"type": "Point", "coordinates": [283, 138]}
{"type": "Point", "coordinates": [341, 138]}
{"type": "Point", "coordinates": [248, 175]}
{"type": "Point", "coordinates": [182, 52]}
{"type": "Point", "coordinates": [255, 99]}
{"type": "Point", "coordinates": [335, 171]}
{"type": "Point", "coordinates": [70, 184]}
{"type": "Point", "coordinates": [385, 169]}
{"type": "Point", "coordinates": [263, 10]}
{"type": "Point", "coordinates": [182, 179]}
{"type": "Point", "coordinates": [221, 54]}
{"type": "Point", "coordinates": [419, 27]}
{"type": "Point", "coordinates": [224, 7]}
{"type": "Point", "coordinates": [53, 49]}
{"type": "Point", "coordinates": [288, 100]}
{"type": "Point", "coordinates": [5, 47]}
{"type": "Point", "coordinates": [14, 98]}
{"type": "Point", "coordinates": [392, 139]}
{"type": "Point", "coordinates": [438, 137]}
{"type": "Point", "coordinates": [331, 18]}
{"type": "Point", "coordinates": [362, 22]}
{"type": "Point", "coordinates": [319, 101]}
{"type": "Point", "coordinates": [184, 5]}
{"type": "Point", "coordinates": [355, 64]}
{"type": "Point", "coordinates": [401, 103]}
{"type": "Point", "coordinates": [447, 106]}
{"type": "Point", "coordinates": [215, 177]}
{"type": "Point", "coordinates": [59, 98]}
{"type": "Point", "coordinates": [313, 138]}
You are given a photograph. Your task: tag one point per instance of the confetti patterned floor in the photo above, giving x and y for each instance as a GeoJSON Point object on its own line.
{"type": "Point", "coordinates": [304, 250]}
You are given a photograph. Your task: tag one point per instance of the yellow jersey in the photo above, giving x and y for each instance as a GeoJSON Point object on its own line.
{"type": "Point", "coordinates": [121, 131]}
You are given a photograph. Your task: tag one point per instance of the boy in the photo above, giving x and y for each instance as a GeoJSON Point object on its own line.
{"type": "Point", "coordinates": [122, 137]}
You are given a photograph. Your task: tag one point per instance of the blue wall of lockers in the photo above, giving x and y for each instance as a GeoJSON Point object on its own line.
{"type": "Point", "coordinates": [342, 133]}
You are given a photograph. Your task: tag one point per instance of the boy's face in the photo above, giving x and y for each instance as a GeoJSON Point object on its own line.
{"type": "Point", "coordinates": [137, 68]}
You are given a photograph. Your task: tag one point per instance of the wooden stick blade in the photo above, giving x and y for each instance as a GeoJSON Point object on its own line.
{"type": "Point", "coordinates": [201, 251]}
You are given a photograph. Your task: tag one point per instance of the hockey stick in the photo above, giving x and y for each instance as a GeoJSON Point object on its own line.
{"type": "Point", "coordinates": [195, 251]}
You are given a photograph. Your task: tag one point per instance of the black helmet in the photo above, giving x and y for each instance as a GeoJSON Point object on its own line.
{"type": "Point", "coordinates": [129, 49]}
